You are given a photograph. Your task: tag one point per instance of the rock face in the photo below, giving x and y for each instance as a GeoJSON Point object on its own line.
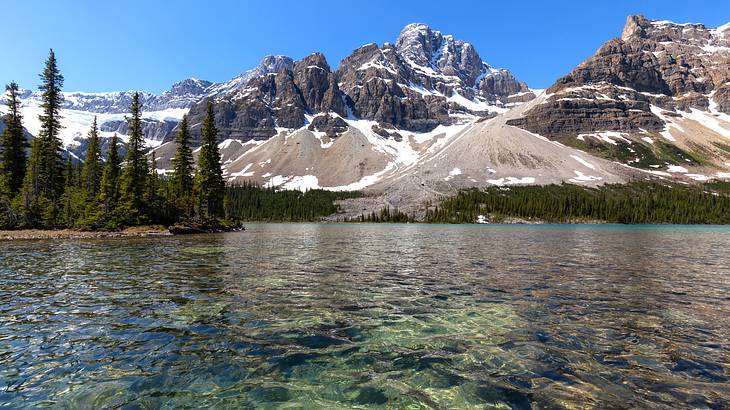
{"type": "Point", "coordinates": [272, 100]}
{"type": "Point", "coordinates": [332, 126]}
{"type": "Point", "coordinates": [183, 94]}
{"type": "Point", "coordinates": [672, 67]}
{"type": "Point", "coordinates": [151, 129]}
{"type": "Point", "coordinates": [423, 79]}
{"type": "Point", "coordinates": [426, 79]}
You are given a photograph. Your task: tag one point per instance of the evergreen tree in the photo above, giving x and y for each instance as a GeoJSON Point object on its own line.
{"type": "Point", "coordinates": [50, 164]}
{"type": "Point", "coordinates": [12, 146]}
{"type": "Point", "coordinates": [109, 187]}
{"type": "Point", "coordinates": [182, 168]}
{"type": "Point", "coordinates": [209, 183]}
{"type": "Point", "coordinates": [135, 176]}
{"type": "Point", "coordinates": [92, 169]}
{"type": "Point", "coordinates": [31, 199]}
{"type": "Point", "coordinates": [69, 199]}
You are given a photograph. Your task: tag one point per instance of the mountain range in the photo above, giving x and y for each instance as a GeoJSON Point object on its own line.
{"type": "Point", "coordinates": [425, 116]}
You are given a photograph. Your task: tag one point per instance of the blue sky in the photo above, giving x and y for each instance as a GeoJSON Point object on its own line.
{"type": "Point", "coordinates": [148, 45]}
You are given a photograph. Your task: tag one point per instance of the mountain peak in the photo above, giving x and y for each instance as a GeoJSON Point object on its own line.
{"type": "Point", "coordinates": [275, 63]}
{"type": "Point", "coordinates": [429, 49]}
{"type": "Point", "coordinates": [189, 85]}
{"type": "Point", "coordinates": [418, 43]}
{"type": "Point", "coordinates": [635, 27]}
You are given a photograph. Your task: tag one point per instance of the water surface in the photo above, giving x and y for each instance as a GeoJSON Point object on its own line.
{"type": "Point", "coordinates": [370, 316]}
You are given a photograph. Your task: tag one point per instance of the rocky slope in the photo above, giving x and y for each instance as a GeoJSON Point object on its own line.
{"type": "Point", "coordinates": [656, 98]}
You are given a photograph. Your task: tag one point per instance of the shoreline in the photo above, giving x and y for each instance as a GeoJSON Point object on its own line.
{"type": "Point", "coordinates": [37, 234]}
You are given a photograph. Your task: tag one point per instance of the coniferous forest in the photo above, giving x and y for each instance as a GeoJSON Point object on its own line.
{"type": "Point", "coordinates": [634, 203]}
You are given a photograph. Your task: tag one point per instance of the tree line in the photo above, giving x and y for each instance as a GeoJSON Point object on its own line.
{"type": "Point", "coordinates": [250, 202]}
{"type": "Point", "coordinates": [45, 189]}
{"type": "Point", "coordinates": [634, 203]}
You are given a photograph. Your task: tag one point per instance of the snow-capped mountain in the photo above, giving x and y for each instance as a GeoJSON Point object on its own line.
{"type": "Point", "coordinates": [425, 80]}
{"type": "Point", "coordinates": [453, 67]}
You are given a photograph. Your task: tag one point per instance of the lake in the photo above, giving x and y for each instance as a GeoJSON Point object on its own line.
{"type": "Point", "coordinates": [371, 316]}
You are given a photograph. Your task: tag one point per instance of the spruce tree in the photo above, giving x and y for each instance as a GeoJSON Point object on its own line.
{"type": "Point", "coordinates": [92, 169]}
{"type": "Point", "coordinates": [134, 179]}
{"type": "Point", "coordinates": [50, 164]}
{"type": "Point", "coordinates": [209, 183]}
{"type": "Point", "coordinates": [182, 164]}
{"type": "Point", "coordinates": [182, 168]}
{"type": "Point", "coordinates": [12, 145]}
{"type": "Point", "coordinates": [109, 187]}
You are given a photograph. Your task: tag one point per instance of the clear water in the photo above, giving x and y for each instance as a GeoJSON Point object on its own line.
{"type": "Point", "coordinates": [370, 316]}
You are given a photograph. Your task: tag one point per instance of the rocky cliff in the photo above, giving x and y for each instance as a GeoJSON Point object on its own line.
{"type": "Point", "coordinates": [426, 79]}
{"type": "Point", "coordinates": [675, 67]}
{"type": "Point", "coordinates": [640, 87]}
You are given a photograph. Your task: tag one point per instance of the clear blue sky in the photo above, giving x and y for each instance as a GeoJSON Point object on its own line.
{"type": "Point", "coordinates": [148, 45]}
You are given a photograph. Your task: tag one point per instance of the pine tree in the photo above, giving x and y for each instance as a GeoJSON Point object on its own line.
{"type": "Point", "coordinates": [92, 169]}
{"type": "Point", "coordinates": [12, 146]}
{"type": "Point", "coordinates": [109, 187]}
{"type": "Point", "coordinates": [50, 164]}
{"type": "Point", "coordinates": [182, 167]}
{"type": "Point", "coordinates": [135, 176]}
{"type": "Point", "coordinates": [209, 184]}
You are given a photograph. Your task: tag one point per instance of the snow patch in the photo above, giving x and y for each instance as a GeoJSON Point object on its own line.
{"type": "Point", "coordinates": [454, 172]}
{"type": "Point", "coordinates": [677, 169]}
{"type": "Point", "coordinates": [511, 181]}
{"type": "Point", "coordinates": [581, 177]}
{"type": "Point", "coordinates": [583, 162]}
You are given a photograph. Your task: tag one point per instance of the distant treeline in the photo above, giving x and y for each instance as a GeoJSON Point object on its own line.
{"type": "Point", "coordinates": [250, 202]}
{"type": "Point", "coordinates": [633, 203]}
{"type": "Point", "coordinates": [385, 215]}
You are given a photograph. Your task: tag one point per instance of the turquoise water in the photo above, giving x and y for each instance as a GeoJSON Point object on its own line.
{"type": "Point", "coordinates": [370, 316]}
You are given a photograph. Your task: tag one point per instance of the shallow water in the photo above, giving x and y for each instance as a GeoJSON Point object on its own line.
{"type": "Point", "coordinates": [371, 316]}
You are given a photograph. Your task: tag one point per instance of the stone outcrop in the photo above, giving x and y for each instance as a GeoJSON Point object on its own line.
{"type": "Point", "coordinates": [331, 125]}
{"type": "Point", "coordinates": [659, 63]}
{"type": "Point", "coordinates": [272, 100]}
{"type": "Point", "coordinates": [151, 129]}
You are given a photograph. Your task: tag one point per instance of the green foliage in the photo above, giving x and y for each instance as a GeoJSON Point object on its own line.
{"type": "Point", "coordinates": [136, 171]}
{"type": "Point", "coordinates": [637, 202]}
{"type": "Point", "coordinates": [209, 183]}
{"type": "Point", "coordinates": [249, 202]}
{"type": "Point", "coordinates": [109, 188]}
{"type": "Point", "coordinates": [182, 169]}
{"type": "Point", "coordinates": [637, 154]}
{"type": "Point", "coordinates": [384, 216]}
{"type": "Point", "coordinates": [13, 147]}
{"type": "Point", "coordinates": [91, 174]}
{"type": "Point", "coordinates": [43, 182]}
{"type": "Point", "coordinates": [50, 164]}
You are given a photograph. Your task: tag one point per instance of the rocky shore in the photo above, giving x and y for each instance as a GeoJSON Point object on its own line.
{"type": "Point", "coordinates": [25, 234]}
